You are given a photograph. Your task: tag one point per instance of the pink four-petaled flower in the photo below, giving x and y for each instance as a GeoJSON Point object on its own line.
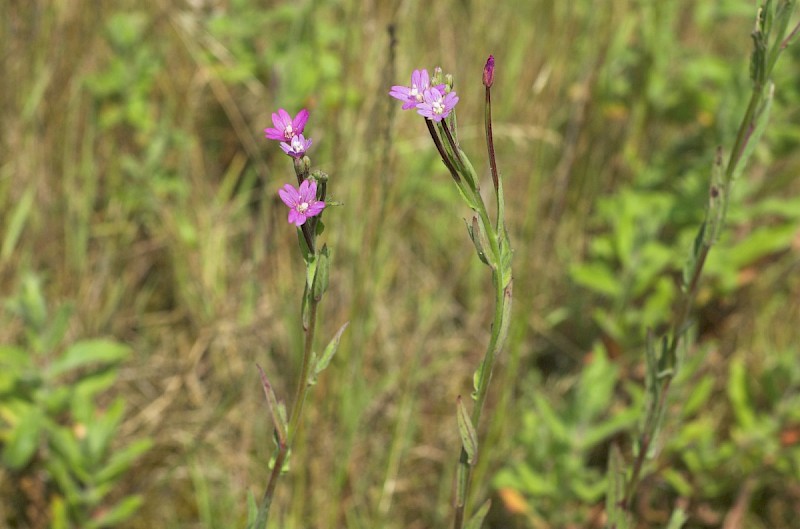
{"type": "Point", "coordinates": [286, 128]}
{"type": "Point", "coordinates": [302, 202]}
{"type": "Point", "coordinates": [297, 147]}
{"type": "Point", "coordinates": [436, 105]}
{"type": "Point", "coordinates": [413, 95]}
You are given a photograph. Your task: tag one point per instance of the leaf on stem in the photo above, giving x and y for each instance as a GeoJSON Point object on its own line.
{"type": "Point", "coordinates": [477, 233]}
{"type": "Point", "coordinates": [717, 196]}
{"type": "Point", "coordinates": [322, 273]}
{"type": "Point", "coordinates": [615, 497]}
{"type": "Point", "coordinates": [469, 438]}
{"type": "Point", "coordinates": [327, 355]}
{"type": "Point", "coordinates": [477, 519]}
{"type": "Point", "coordinates": [755, 130]}
{"type": "Point", "coordinates": [678, 518]}
{"type": "Point", "coordinates": [278, 419]}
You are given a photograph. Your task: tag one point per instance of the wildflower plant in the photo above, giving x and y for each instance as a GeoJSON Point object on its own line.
{"type": "Point", "coordinates": [306, 204]}
{"type": "Point", "coordinates": [435, 100]}
{"type": "Point", "coordinates": [664, 356]}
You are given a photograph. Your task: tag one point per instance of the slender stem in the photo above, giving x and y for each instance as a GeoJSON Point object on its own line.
{"type": "Point", "coordinates": [294, 421]}
{"type": "Point", "coordinates": [490, 139]}
{"type": "Point", "coordinates": [743, 136]}
{"type": "Point", "coordinates": [442, 152]}
{"type": "Point", "coordinates": [464, 471]}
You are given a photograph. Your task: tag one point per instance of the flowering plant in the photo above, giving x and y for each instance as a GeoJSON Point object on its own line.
{"type": "Point", "coordinates": [435, 100]}
{"type": "Point", "coordinates": [306, 204]}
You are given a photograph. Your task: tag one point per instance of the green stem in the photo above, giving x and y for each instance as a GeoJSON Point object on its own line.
{"type": "Point", "coordinates": [499, 327]}
{"type": "Point", "coordinates": [743, 136]}
{"type": "Point", "coordinates": [282, 451]}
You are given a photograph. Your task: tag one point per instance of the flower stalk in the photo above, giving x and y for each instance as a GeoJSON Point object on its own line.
{"type": "Point", "coordinates": [663, 358]}
{"type": "Point", "coordinates": [491, 242]}
{"type": "Point", "coordinates": [306, 204]}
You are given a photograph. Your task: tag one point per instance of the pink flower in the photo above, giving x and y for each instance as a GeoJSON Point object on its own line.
{"type": "Point", "coordinates": [286, 128]}
{"type": "Point", "coordinates": [412, 95]}
{"type": "Point", "coordinates": [436, 105]}
{"type": "Point", "coordinates": [297, 147]}
{"type": "Point", "coordinates": [302, 202]}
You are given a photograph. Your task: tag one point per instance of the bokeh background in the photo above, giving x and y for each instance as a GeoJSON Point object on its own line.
{"type": "Point", "coordinates": [138, 205]}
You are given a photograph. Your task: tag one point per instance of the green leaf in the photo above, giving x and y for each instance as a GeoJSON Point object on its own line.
{"type": "Point", "coordinates": [758, 125]}
{"type": "Point", "coordinates": [469, 438]}
{"type": "Point", "coordinates": [58, 513]}
{"type": "Point", "coordinates": [478, 238]}
{"type": "Point", "coordinates": [322, 274]}
{"type": "Point", "coordinates": [597, 277]}
{"type": "Point", "coordinates": [553, 420]}
{"type": "Point", "coordinates": [66, 483]}
{"type": "Point", "coordinates": [738, 394]}
{"type": "Point", "coordinates": [117, 514]}
{"type": "Point", "coordinates": [278, 419]}
{"type": "Point", "coordinates": [89, 386]}
{"type": "Point", "coordinates": [615, 498]}
{"type": "Point", "coordinates": [100, 432]}
{"type": "Point", "coordinates": [15, 364]}
{"type": "Point", "coordinates": [328, 353]}
{"type": "Point", "coordinates": [23, 440]}
{"type": "Point", "coordinates": [85, 352]}
{"type": "Point", "coordinates": [477, 519]}
{"type": "Point", "coordinates": [122, 460]}
{"type": "Point", "coordinates": [16, 224]}
{"type": "Point", "coordinates": [67, 452]}
{"type": "Point", "coordinates": [678, 519]}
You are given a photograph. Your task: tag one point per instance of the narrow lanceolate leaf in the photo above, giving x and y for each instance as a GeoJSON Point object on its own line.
{"type": "Point", "coordinates": [322, 273]}
{"type": "Point", "coordinates": [469, 439]}
{"type": "Point", "coordinates": [477, 519]}
{"type": "Point", "coordinates": [758, 125]}
{"type": "Point", "coordinates": [717, 194]}
{"type": "Point", "coordinates": [327, 354]}
{"type": "Point", "coordinates": [501, 208]}
{"type": "Point", "coordinates": [278, 420]}
{"type": "Point", "coordinates": [616, 514]}
{"type": "Point", "coordinates": [677, 519]}
{"type": "Point", "coordinates": [475, 234]}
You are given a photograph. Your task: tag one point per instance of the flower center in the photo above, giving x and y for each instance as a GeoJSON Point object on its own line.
{"type": "Point", "coordinates": [289, 132]}
{"type": "Point", "coordinates": [302, 207]}
{"type": "Point", "coordinates": [438, 106]}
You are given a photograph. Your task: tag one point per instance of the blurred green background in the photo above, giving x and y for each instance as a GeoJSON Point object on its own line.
{"type": "Point", "coordinates": [138, 204]}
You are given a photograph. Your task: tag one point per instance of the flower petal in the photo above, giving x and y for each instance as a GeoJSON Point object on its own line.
{"type": "Point", "coordinates": [299, 122]}
{"type": "Point", "coordinates": [289, 195]}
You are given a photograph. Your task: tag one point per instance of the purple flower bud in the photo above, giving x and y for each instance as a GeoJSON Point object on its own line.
{"type": "Point", "coordinates": [488, 72]}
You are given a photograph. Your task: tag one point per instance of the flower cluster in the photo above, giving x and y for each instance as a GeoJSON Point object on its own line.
{"type": "Point", "coordinates": [302, 201]}
{"type": "Point", "coordinates": [290, 132]}
{"type": "Point", "coordinates": [434, 102]}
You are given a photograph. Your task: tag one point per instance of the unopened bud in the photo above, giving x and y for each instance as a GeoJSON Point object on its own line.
{"type": "Point", "coordinates": [319, 176]}
{"type": "Point", "coordinates": [438, 76]}
{"type": "Point", "coordinates": [449, 83]}
{"type": "Point", "coordinates": [488, 72]}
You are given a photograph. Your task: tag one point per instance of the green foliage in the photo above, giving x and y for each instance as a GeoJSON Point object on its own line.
{"type": "Point", "coordinates": [52, 419]}
{"type": "Point", "coordinates": [627, 262]}
{"type": "Point", "coordinates": [563, 438]}
{"type": "Point", "coordinates": [754, 447]}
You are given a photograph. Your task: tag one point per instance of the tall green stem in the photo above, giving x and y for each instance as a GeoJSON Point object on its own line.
{"type": "Point", "coordinates": [283, 449]}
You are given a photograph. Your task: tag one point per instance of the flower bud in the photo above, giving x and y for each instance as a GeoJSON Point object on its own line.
{"type": "Point", "coordinates": [449, 83]}
{"type": "Point", "coordinates": [438, 76]}
{"type": "Point", "coordinates": [319, 176]}
{"type": "Point", "coordinates": [488, 72]}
